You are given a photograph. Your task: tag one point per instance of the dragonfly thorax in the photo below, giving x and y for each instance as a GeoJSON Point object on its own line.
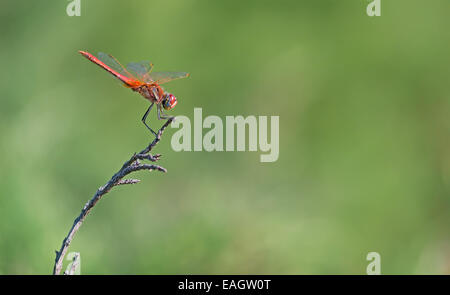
{"type": "Point", "coordinates": [152, 92]}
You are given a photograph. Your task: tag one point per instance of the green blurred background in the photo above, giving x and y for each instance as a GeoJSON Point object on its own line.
{"type": "Point", "coordinates": [364, 159]}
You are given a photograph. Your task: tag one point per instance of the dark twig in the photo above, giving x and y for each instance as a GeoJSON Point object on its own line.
{"type": "Point", "coordinates": [128, 167]}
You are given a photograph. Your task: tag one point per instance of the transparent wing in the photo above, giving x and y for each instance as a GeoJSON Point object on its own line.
{"type": "Point", "coordinates": [140, 69]}
{"type": "Point", "coordinates": [164, 77]}
{"type": "Point", "coordinates": [114, 64]}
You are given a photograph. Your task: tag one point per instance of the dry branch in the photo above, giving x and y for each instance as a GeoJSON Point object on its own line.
{"type": "Point", "coordinates": [132, 165]}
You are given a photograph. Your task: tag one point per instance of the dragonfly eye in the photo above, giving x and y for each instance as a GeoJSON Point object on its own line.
{"type": "Point", "coordinates": [169, 101]}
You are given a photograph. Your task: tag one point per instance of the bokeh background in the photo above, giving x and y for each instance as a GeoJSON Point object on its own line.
{"type": "Point", "coordinates": [364, 159]}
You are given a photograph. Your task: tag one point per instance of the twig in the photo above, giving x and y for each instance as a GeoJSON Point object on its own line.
{"type": "Point", "coordinates": [128, 167]}
{"type": "Point", "coordinates": [128, 181]}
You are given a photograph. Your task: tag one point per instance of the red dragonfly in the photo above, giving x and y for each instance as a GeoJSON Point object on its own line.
{"type": "Point", "coordinates": [140, 78]}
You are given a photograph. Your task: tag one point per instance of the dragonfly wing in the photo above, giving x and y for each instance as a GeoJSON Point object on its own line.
{"type": "Point", "coordinates": [164, 77]}
{"type": "Point", "coordinates": [114, 64]}
{"type": "Point", "coordinates": [140, 69]}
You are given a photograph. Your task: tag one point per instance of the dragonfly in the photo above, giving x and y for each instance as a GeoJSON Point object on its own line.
{"type": "Point", "coordinates": [138, 76]}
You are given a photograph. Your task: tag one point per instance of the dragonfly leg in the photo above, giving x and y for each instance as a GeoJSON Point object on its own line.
{"type": "Point", "coordinates": [161, 115]}
{"type": "Point", "coordinates": [145, 117]}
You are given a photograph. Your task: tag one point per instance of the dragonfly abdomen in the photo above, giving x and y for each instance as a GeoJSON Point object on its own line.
{"type": "Point", "coordinates": [127, 81]}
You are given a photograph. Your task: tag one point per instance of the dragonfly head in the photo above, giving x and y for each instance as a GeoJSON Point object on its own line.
{"type": "Point", "coordinates": [169, 101]}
